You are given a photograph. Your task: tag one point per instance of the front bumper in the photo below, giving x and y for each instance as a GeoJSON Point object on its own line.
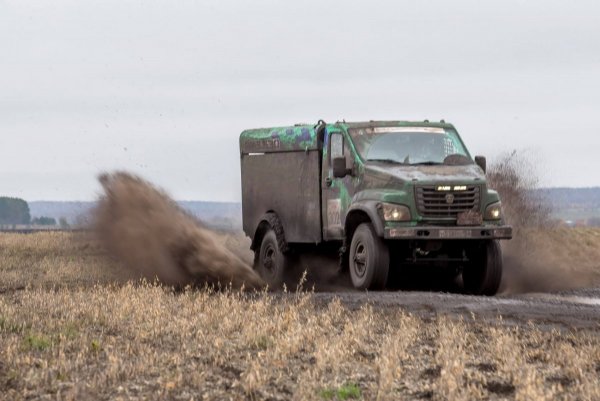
{"type": "Point", "coordinates": [448, 233]}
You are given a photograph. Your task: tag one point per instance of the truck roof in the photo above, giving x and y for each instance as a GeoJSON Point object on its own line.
{"type": "Point", "coordinates": [395, 123]}
{"type": "Point", "coordinates": [279, 139]}
{"type": "Point", "coordinates": [304, 136]}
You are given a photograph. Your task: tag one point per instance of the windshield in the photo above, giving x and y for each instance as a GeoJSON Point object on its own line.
{"type": "Point", "coordinates": [410, 145]}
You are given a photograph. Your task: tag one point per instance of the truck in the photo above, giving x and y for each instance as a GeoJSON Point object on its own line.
{"type": "Point", "coordinates": [383, 194]}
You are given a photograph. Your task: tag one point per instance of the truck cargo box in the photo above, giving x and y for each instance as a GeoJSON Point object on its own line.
{"type": "Point", "coordinates": [281, 172]}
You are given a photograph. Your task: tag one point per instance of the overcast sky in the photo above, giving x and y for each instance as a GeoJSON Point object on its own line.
{"type": "Point", "coordinates": [163, 88]}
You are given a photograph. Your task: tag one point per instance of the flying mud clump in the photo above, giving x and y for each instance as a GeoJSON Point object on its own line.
{"type": "Point", "coordinates": [146, 230]}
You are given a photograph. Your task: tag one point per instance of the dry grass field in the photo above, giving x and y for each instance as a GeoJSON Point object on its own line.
{"type": "Point", "coordinates": [75, 326]}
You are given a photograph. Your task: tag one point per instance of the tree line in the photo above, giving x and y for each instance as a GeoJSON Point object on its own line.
{"type": "Point", "coordinates": [15, 211]}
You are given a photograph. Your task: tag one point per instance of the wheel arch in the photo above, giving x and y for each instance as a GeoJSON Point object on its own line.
{"type": "Point", "coordinates": [362, 212]}
{"type": "Point", "coordinates": [269, 220]}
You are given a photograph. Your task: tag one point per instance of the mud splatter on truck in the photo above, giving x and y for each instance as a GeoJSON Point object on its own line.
{"type": "Point", "coordinates": [385, 194]}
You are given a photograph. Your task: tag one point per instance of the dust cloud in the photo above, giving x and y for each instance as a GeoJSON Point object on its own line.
{"type": "Point", "coordinates": [540, 257]}
{"type": "Point", "coordinates": [148, 232]}
{"type": "Point", "coordinates": [552, 259]}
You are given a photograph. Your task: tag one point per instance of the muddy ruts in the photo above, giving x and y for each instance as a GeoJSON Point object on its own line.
{"type": "Point", "coordinates": [144, 228]}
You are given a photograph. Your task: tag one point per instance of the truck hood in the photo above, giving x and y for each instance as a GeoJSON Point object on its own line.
{"type": "Point", "coordinates": [398, 175]}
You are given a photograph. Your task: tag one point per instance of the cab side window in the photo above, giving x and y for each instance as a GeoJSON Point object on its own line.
{"type": "Point", "coordinates": [348, 154]}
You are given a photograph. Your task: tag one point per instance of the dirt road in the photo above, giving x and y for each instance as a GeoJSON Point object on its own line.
{"type": "Point", "coordinates": [572, 309]}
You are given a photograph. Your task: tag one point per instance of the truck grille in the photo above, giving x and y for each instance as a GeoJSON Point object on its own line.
{"type": "Point", "coordinates": [434, 203]}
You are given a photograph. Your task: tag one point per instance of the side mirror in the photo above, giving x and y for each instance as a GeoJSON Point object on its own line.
{"type": "Point", "coordinates": [481, 162]}
{"type": "Point", "coordinates": [339, 167]}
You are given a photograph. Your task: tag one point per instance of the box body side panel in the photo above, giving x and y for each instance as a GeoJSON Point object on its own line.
{"type": "Point", "coordinates": [286, 183]}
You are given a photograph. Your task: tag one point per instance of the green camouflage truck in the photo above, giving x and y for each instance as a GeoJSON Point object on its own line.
{"type": "Point", "coordinates": [383, 193]}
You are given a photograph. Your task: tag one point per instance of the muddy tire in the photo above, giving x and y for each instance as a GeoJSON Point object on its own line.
{"type": "Point", "coordinates": [483, 274]}
{"type": "Point", "coordinates": [271, 262]}
{"type": "Point", "coordinates": [369, 259]}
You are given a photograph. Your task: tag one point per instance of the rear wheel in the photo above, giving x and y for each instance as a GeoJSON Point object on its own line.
{"type": "Point", "coordinates": [482, 275]}
{"type": "Point", "coordinates": [270, 262]}
{"type": "Point", "coordinates": [369, 259]}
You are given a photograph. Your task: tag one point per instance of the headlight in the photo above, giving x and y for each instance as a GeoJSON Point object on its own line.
{"type": "Point", "coordinates": [392, 212]}
{"type": "Point", "coordinates": [493, 211]}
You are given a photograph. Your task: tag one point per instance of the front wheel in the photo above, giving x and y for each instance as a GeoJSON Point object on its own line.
{"type": "Point", "coordinates": [482, 275]}
{"type": "Point", "coordinates": [369, 259]}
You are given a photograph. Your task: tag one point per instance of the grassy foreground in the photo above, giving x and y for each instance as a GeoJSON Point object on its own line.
{"type": "Point", "coordinates": [79, 331]}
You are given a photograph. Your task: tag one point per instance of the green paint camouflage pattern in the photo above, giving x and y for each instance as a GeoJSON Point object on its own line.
{"type": "Point", "coordinates": [371, 183]}
{"type": "Point", "coordinates": [279, 139]}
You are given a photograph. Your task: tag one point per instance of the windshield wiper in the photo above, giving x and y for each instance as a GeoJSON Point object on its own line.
{"type": "Point", "coordinates": [428, 163]}
{"type": "Point", "coordinates": [386, 161]}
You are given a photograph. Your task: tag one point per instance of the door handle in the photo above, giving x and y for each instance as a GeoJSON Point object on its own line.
{"type": "Point", "coordinates": [328, 181]}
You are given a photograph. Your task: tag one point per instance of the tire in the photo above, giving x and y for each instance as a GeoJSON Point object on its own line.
{"type": "Point", "coordinates": [271, 262]}
{"type": "Point", "coordinates": [369, 259]}
{"type": "Point", "coordinates": [483, 274]}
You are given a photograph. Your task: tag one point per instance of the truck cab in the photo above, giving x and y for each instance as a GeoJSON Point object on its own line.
{"type": "Point", "coordinates": [384, 193]}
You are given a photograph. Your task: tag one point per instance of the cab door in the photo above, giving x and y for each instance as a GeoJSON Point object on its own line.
{"type": "Point", "coordinates": [337, 192]}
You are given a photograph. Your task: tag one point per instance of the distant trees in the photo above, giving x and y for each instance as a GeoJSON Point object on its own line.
{"type": "Point", "coordinates": [43, 221]}
{"type": "Point", "coordinates": [14, 211]}
{"type": "Point", "coordinates": [62, 222]}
